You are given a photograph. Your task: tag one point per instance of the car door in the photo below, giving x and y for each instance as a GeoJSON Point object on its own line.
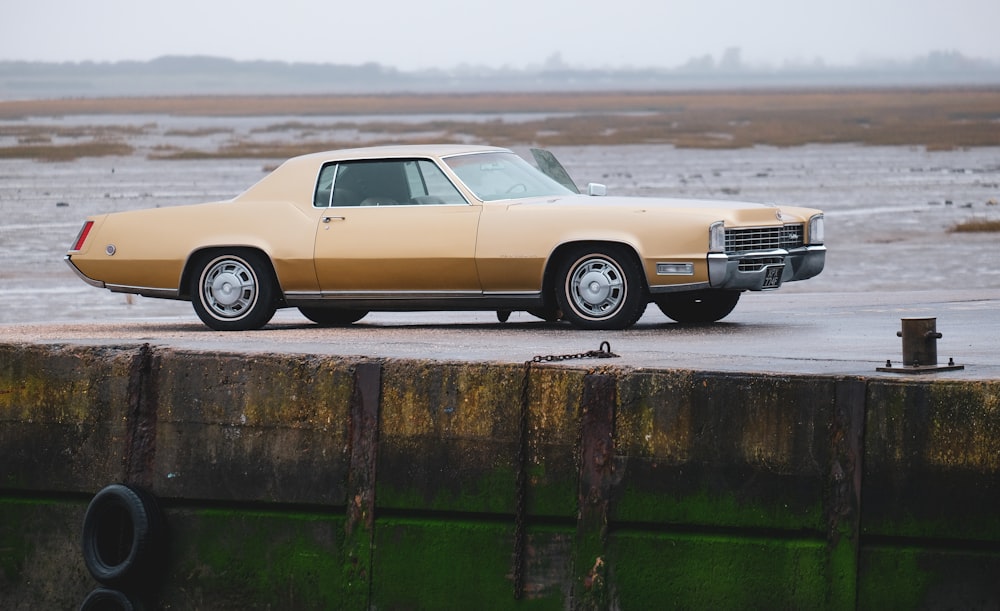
{"type": "Point", "coordinates": [395, 228]}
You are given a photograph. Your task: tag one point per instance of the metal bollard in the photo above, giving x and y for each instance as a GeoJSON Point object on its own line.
{"type": "Point", "coordinates": [920, 337]}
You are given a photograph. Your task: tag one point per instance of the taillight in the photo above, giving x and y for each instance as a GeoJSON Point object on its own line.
{"type": "Point", "coordinates": [82, 237]}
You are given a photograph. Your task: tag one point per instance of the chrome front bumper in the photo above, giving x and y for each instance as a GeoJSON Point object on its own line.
{"type": "Point", "coordinates": [782, 266]}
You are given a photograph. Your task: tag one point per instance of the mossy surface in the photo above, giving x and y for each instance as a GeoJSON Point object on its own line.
{"type": "Point", "coordinates": [255, 560]}
{"type": "Point", "coordinates": [459, 565]}
{"type": "Point", "coordinates": [718, 572]}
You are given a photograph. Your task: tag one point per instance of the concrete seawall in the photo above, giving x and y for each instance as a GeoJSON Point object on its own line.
{"type": "Point", "coordinates": [300, 481]}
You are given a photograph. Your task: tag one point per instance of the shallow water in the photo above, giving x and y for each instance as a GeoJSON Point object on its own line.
{"type": "Point", "coordinates": [888, 209]}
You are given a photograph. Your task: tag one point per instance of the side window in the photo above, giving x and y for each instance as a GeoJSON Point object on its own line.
{"type": "Point", "coordinates": [370, 183]}
{"type": "Point", "coordinates": [324, 186]}
{"type": "Point", "coordinates": [428, 184]}
{"type": "Point", "coordinates": [384, 183]}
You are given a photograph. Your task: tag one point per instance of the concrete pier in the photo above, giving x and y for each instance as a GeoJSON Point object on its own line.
{"type": "Point", "coordinates": [317, 481]}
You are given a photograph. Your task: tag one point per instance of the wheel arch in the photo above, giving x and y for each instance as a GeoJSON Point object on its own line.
{"type": "Point", "coordinates": [560, 252]}
{"type": "Point", "coordinates": [193, 264]}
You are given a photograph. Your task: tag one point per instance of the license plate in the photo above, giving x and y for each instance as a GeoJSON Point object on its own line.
{"type": "Point", "coordinates": [772, 276]}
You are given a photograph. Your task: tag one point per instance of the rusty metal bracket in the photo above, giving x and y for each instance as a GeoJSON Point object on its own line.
{"type": "Point", "coordinates": [521, 485]}
{"type": "Point", "coordinates": [141, 418]}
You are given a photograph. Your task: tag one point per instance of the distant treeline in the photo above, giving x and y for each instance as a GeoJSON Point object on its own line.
{"type": "Point", "coordinates": [198, 75]}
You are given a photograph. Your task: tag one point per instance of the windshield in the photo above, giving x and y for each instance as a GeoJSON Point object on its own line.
{"type": "Point", "coordinates": [495, 176]}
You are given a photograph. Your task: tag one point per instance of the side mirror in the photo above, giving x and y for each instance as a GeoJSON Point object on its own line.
{"type": "Point", "coordinates": [596, 189]}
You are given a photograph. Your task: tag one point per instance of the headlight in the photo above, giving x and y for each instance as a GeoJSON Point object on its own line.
{"type": "Point", "coordinates": [816, 229]}
{"type": "Point", "coordinates": [717, 237]}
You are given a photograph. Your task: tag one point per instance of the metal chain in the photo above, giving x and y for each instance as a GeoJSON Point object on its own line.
{"type": "Point", "coordinates": [521, 484]}
{"type": "Point", "coordinates": [603, 352]}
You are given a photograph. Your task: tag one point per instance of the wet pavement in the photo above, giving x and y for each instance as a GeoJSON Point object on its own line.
{"type": "Point", "coordinates": [850, 334]}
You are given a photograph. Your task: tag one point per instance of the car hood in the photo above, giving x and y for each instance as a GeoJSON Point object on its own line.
{"type": "Point", "coordinates": [734, 212]}
{"type": "Point", "coordinates": [636, 203]}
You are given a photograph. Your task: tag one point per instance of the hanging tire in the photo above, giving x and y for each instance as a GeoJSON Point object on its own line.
{"type": "Point", "coordinates": [122, 536]}
{"type": "Point", "coordinates": [234, 291]}
{"type": "Point", "coordinates": [104, 599]}
{"type": "Point", "coordinates": [600, 287]}
{"type": "Point", "coordinates": [333, 317]}
{"type": "Point", "coordinates": [704, 306]}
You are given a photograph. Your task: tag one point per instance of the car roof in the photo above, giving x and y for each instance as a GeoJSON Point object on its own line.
{"type": "Point", "coordinates": [396, 150]}
{"type": "Point", "coordinates": [296, 177]}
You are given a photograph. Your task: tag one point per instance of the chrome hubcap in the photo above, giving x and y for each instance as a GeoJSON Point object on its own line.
{"type": "Point", "coordinates": [597, 288]}
{"type": "Point", "coordinates": [229, 288]}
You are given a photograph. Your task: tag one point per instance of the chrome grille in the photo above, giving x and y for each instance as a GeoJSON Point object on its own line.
{"type": "Point", "coordinates": [764, 238]}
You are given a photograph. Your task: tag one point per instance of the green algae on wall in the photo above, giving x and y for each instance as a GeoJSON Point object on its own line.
{"type": "Point", "coordinates": [686, 571]}
{"type": "Point", "coordinates": [427, 564]}
{"type": "Point", "coordinates": [251, 559]}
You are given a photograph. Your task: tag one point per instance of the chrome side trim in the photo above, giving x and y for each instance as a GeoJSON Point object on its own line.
{"type": "Point", "coordinates": [678, 288]}
{"type": "Point", "coordinates": [76, 270]}
{"type": "Point", "coordinates": [145, 291]}
{"type": "Point", "coordinates": [404, 295]}
{"type": "Point", "coordinates": [515, 294]}
{"type": "Point", "coordinates": [416, 301]}
{"type": "Point", "coordinates": [387, 295]}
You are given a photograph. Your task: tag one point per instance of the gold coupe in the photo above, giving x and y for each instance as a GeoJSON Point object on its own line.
{"type": "Point", "coordinates": [447, 227]}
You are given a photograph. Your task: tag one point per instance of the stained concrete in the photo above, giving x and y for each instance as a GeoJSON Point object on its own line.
{"type": "Point", "coordinates": [319, 480]}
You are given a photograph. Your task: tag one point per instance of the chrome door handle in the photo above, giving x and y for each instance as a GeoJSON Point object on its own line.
{"type": "Point", "coordinates": [327, 219]}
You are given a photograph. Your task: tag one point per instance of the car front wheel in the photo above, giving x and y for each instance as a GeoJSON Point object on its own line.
{"type": "Point", "coordinates": [234, 291]}
{"type": "Point", "coordinates": [600, 287]}
{"type": "Point", "coordinates": [708, 305]}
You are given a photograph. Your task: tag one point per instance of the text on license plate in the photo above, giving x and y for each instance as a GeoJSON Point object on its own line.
{"type": "Point", "coordinates": [772, 276]}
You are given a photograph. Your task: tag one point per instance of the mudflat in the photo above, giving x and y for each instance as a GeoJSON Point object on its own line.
{"type": "Point", "coordinates": [935, 118]}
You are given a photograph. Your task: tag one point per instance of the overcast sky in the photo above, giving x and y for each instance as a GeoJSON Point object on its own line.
{"type": "Point", "coordinates": [412, 34]}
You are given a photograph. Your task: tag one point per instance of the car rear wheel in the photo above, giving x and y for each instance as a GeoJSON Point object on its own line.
{"type": "Point", "coordinates": [332, 317]}
{"type": "Point", "coordinates": [600, 287]}
{"type": "Point", "coordinates": [703, 306]}
{"type": "Point", "coordinates": [234, 291]}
